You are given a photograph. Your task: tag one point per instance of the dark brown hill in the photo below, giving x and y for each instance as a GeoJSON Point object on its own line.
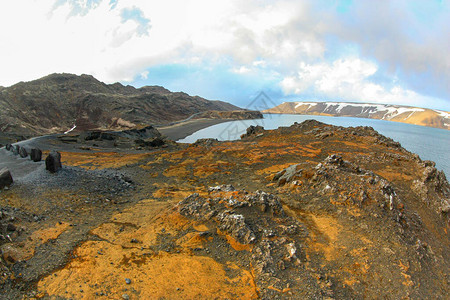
{"type": "Point", "coordinates": [58, 102]}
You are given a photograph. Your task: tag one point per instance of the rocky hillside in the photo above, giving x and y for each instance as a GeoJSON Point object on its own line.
{"type": "Point", "coordinates": [58, 102]}
{"type": "Point", "coordinates": [310, 211]}
{"type": "Point", "coordinates": [396, 113]}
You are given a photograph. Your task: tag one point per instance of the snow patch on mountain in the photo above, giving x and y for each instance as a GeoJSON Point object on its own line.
{"type": "Point", "coordinates": [389, 110]}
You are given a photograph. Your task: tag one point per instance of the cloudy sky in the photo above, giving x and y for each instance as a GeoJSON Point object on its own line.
{"type": "Point", "coordinates": [380, 51]}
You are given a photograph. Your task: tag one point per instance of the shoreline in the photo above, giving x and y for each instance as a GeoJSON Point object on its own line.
{"type": "Point", "coordinates": [183, 129]}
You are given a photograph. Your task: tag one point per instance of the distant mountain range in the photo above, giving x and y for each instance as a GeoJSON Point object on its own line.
{"type": "Point", "coordinates": [396, 113]}
{"type": "Point", "coordinates": [59, 102]}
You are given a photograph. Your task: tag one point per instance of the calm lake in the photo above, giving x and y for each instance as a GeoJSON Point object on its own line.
{"type": "Point", "coordinates": [430, 143]}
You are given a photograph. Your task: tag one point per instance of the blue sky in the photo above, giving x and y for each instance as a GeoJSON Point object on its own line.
{"type": "Point", "coordinates": [327, 50]}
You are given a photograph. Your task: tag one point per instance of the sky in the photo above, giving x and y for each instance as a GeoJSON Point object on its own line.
{"type": "Point", "coordinates": [394, 52]}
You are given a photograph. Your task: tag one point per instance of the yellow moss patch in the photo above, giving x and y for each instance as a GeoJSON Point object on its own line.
{"type": "Point", "coordinates": [100, 160]}
{"type": "Point", "coordinates": [356, 145]}
{"type": "Point", "coordinates": [392, 175]}
{"type": "Point", "coordinates": [234, 243]}
{"type": "Point", "coordinates": [169, 276]}
{"type": "Point", "coordinates": [191, 240]}
{"type": "Point", "coordinates": [44, 235]}
{"type": "Point", "coordinates": [324, 236]}
{"type": "Point", "coordinates": [177, 171]}
{"type": "Point", "coordinates": [273, 169]}
{"type": "Point", "coordinates": [200, 227]}
{"type": "Point", "coordinates": [25, 250]}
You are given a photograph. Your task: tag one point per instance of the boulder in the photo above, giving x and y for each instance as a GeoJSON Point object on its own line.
{"type": "Point", "coordinates": [53, 162]}
{"type": "Point", "coordinates": [5, 178]}
{"type": "Point", "coordinates": [253, 130]}
{"type": "Point", "coordinates": [15, 149]}
{"type": "Point", "coordinates": [8, 147]}
{"type": "Point", "coordinates": [36, 154]}
{"type": "Point", "coordinates": [23, 152]}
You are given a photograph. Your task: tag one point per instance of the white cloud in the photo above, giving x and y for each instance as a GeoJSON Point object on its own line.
{"type": "Point", "coordinates": [286, 37]}
{"type": "Point", "coordinates": [347, 79]}
{"type": "Point", "coordinates": [78, 38]}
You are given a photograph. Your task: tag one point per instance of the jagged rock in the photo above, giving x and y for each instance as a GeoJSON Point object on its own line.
{"type": "Point", "coordinates": [253, 130]}
{"type": "Point", "coordinates": [266, 202]}
{"type": "Point", "coordinates": [291, 249]}
{"type": "Point", "coordinates": [433, 187]}
{"type": "Point", "coordinates": [287, 174]}
{"type": "Point", "coordinates": [151, 142]}
{"type": "Point", "coordinates": [197, 207]}
{"type": "Point", "coordinates": [5, 178]}
{"type": "Point", "coordinates": [223, 188]}
{"type": "Point", "coordinates": [345, 181]}
{"type": "Point", "coordinates": [53, 162]}
{"type": "Point", "coordinates": [235, 224]}
{"type": "Point", "coordinates": [36, 154]}
{"type": "Point", "coordinates": [23, 152]}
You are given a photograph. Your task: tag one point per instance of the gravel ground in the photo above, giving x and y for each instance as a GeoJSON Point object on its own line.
{"type": "Point", "coordinates": [19, 167]}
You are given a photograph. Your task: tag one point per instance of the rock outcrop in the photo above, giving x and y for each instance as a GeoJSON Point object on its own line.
{"type": "Point", "coordinates": [53, 162]}
{"type": "Point", "coordinates": [259, 221]}
{"type": "Point", "coordinates": [23, 152]}
{"type": "Point", "coordinates": [5, 178]}
{"type": "Point", "coordinates": [253, 131]}
{"type": "Point", "coordinates": [36, 154]}
{"type": "Point", "coordinates": [138, 138]}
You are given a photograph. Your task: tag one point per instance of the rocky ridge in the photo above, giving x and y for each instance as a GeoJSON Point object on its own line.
{"type": "Point", "coordinates": [61, 102]}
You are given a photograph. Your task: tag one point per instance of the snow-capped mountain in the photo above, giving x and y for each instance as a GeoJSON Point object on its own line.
{"type": "Point", "coordinates": [396, 113]}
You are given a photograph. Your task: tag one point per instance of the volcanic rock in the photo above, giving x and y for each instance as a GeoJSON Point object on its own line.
{"type": "Point", "coordinates": [276, 239]}
{"type": "Point", "coordinates": [53, 162]}
{"type": "Point", "coordinates": [5, 178]}
{"type": "Point", "coordinates": [253, 130]}
{"type": "Point", "coordinates": [15, 149]}
{"type": "Point", "coordinates": [23, 152]}
{"type": "Point", "coordinates": [36, 154]}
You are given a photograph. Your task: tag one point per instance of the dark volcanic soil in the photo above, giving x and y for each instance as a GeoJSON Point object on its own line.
{"type": "Point", "coordinates": [307, 212]}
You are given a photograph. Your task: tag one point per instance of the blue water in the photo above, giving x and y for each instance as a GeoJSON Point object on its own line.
{"type": "Point", "coordinates": [430, 143]}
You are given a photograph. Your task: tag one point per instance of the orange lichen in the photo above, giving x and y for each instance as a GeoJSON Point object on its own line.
{"type": "Point", "coordinates": [25, 250]}
{"type": "Point", "coordinates": [392, 175]}
{"type": "Point", "coordinates": [172, 276]}
{"type": "Point", "coordinates": [273, 169]}
{"type": "Point", "coordinates": [177, 171]}
{"type": "Point", "coordinates": [234, 243]}
{"type": "Point", "coordinates": [100, 160]}
{"type": "Point", "coordinates": [44, 235]}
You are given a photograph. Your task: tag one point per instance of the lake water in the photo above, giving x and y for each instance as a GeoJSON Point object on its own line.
{"type": "Point", "coordinates": [430, 143]}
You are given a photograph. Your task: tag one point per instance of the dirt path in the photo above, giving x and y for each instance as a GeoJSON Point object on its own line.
{"type": "Point", "coordinates": [19, 167]}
